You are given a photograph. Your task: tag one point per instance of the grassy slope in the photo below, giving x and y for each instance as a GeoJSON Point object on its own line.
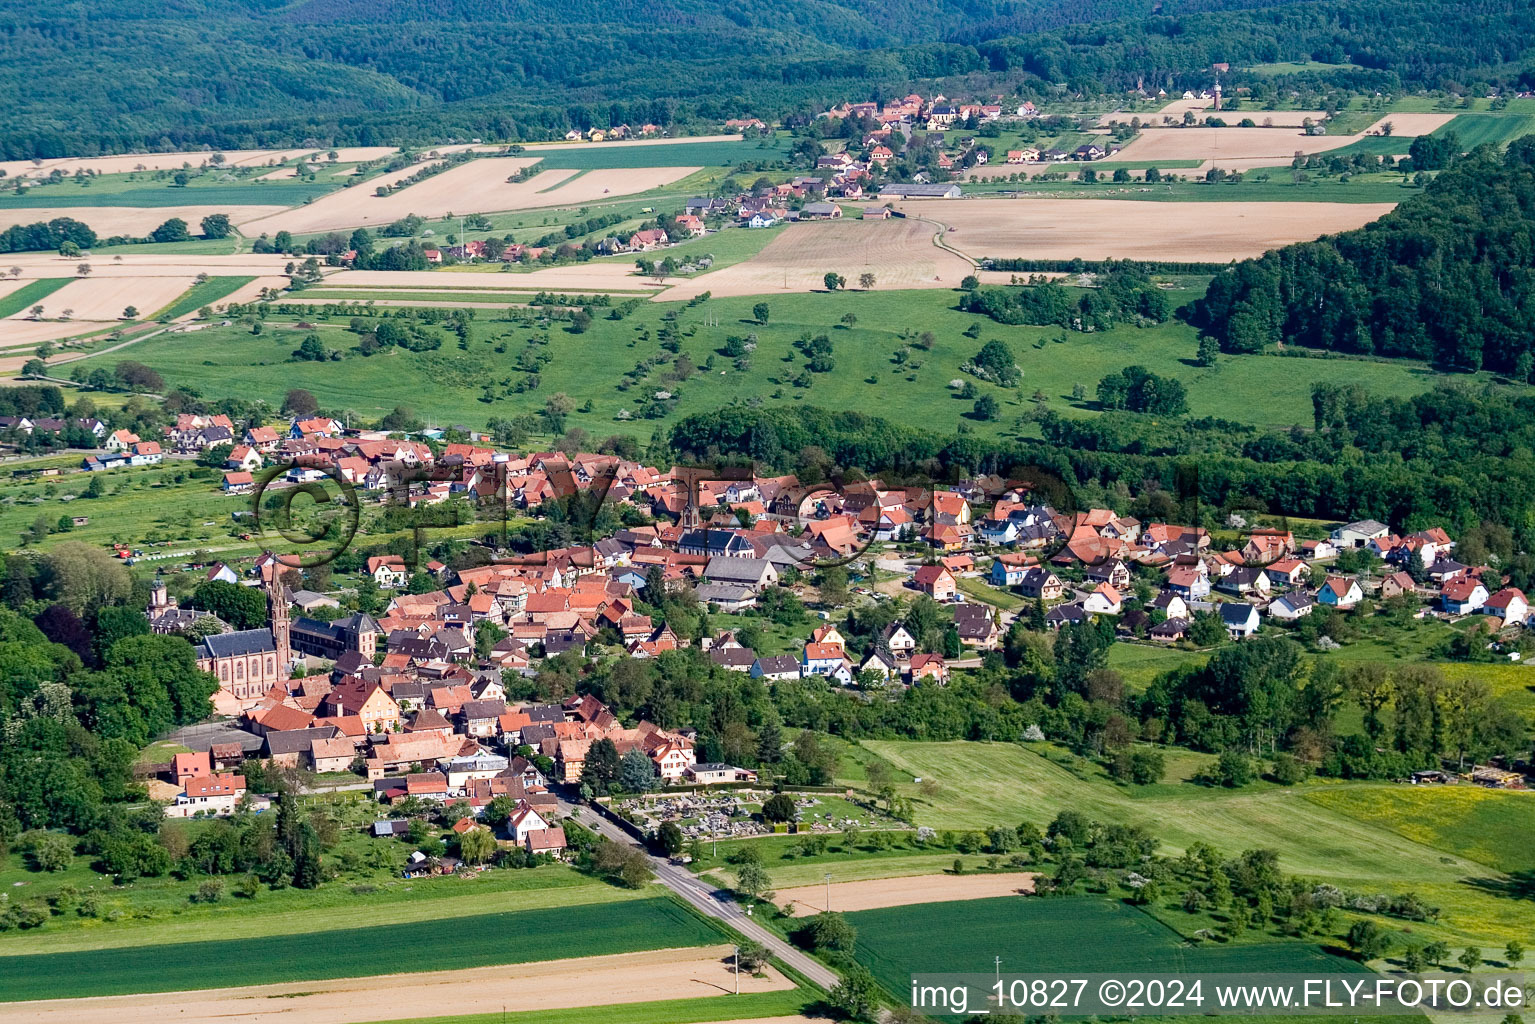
{"type": "Point", "coordinates": [1479, 824]}
{"type": "Point", "coordinates": [1269, 390]}
{"type": "Point", "coordinates": [987, 783]}
{"type": "Point", "coordinates": [518, 937]}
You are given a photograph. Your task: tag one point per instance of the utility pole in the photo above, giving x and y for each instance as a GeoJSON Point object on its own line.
{"type": "Point", "coordinates": [738, 969]}
{"type": "Point", "coordinates": [828, 892]}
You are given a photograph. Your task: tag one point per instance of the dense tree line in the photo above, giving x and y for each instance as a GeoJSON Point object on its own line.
{"type": "Point", "coordinates": [1445, 277]}
{"type": "Point", "coordinates": [358, 73]}
{"type": "Point", "coordinates": [1124, 293]}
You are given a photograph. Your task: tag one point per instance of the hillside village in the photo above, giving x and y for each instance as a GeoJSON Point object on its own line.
{"type": "Point", "coordinates": [415, 698]}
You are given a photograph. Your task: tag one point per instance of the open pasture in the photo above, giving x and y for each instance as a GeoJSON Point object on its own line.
{"type": "Point", "coordinates": [986, 783]}
{"type": "Point", "coordinates": [505, 938]}
{"type": "Point", "coordinates": [899, 253]}
{"type": "Point", "coordinates": [138, 221]}
{"type": "Point", "coordinates": [636, 977]}
{"type": "Point", "coordinates": [598, 364]}
{"type": "Point", "coordinates": [1058, 935]}
{"type": "Point", "coordinates": [1038, 228]}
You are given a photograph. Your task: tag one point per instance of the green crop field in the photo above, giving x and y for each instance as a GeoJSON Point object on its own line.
{"type": "Point", "coordinates": [983, 784]}
{"type": "Point", "coordinates": [144, 191]}
{"type": "Point", "coordinates": [1268, 390]}
{"type": "Point", "coordinates": [30, 294]}
{"type": "Point", "coordinates": [517, 937]}
{"type": "Point", "coordinates": [1479, 824]}
{"type": "Point", "coordinates": [199, 295]}
{"type": "Point", "coordinates": [600, 156]}
{"type": "Point", "coordinates": [159, 911]}
{"type": "Point", "coordinates": [1479, 129]}
{"type": "Point", "coordinates": [1057, 935]}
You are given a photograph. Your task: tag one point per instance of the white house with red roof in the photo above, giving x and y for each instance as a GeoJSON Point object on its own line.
{"type": "Point", "coordinates": [1508, 604]}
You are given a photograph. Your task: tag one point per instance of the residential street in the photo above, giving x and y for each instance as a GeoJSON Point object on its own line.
{"type": "Point", "coordinates": [704, 899]}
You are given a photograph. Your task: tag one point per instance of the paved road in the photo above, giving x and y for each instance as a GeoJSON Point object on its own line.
{"type": "Point", "coordinates": [720, 906]}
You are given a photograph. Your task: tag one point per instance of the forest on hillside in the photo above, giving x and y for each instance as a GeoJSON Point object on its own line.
{"type": "Point", "coordinates": [1446, 277]}
{"type": "Point", "coordinates": [362, 72]}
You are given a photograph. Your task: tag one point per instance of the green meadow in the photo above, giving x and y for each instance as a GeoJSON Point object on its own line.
{"type": "Point", "coordinates": [1479, 824]}
{"type": "Point", "coordinates": [1315, 827]}
{"type": "Point", "coordinates": [874, 364]}
{"type": "Point", "coordinates": [498, 938]}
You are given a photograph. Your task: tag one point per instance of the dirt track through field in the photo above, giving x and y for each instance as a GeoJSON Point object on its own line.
{"type": "Point", "coordinates": [899, 253]}
{"type": "Point", "coordinates": [556, 984]}
{"type": "Point", "coordinates": [1099, 229]}
{"type": "Point", "coordinates": [875, 893]}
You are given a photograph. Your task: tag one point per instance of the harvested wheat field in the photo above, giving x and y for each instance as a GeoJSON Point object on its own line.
{"type": "Point", "coordinates": [44, 264]}
{"type": "Point", "coordinates": [175, 161]}
{"type": "Point", "coordinates": [1100, 229]}
{"type": "Point", "coordinates": [479, 186]}
{"type": "Point", "coordinates": [594, 276]}
{"type": "Point", "coordinates": [617, 182]}
{"type": "Point", "coordinates": [104, 298]}
{"type": "Point", "coordinates": [590, 981]}
{"type": "Point", "coordinates": [681, 140]}
{"type": "Point", "coordinates": [1411, 124]}
{"type": "Point", "coordinates": [1206, 108]}
{"type": "Point", "coordinates": [138, 221]}
{"type": "Point", "coordinates": [22, 333]}
{"type": "Point", "coordinates": [899, 253]}
{"type": "Point", "coordinates": [875, 893]}
{"type": "Point", "coordinates": [1277, 145]}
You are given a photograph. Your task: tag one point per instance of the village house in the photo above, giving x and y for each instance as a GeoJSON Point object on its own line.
{"type": "Point", "coordinates": [1240, 619]}
{"type": "Point", "coordinates": [213, 795]}
{"type": "Point", "coordinates": [1340, 592]}
{"type": "Point", "coordinates": [937, 582]}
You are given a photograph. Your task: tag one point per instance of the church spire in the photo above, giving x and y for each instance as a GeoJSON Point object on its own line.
{"type": "Point", "coordinates": [277, 613]}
